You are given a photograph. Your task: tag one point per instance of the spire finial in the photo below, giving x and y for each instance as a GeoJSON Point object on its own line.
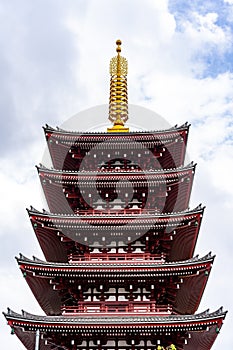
{"type": "Point", "coordinates": [118, 49]}
{"type": "Point", "coordinates": [118, 101]}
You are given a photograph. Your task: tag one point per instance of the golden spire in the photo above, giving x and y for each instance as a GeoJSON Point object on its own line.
{"type": "Point", "coordinates": [118, 101]}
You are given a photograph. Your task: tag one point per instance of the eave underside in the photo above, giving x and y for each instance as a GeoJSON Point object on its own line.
{"type": "Point", "coordinates": [195, 341]}
{"type": "Point", "coordinates": [47, 280]}
{"type": "Point", "coordinates": [176, 242]}
{"type": "Point", "coordinates": [196, 332]}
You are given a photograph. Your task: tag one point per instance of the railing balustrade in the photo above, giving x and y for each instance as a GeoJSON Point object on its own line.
{"type": "Point", "coordinates": [121, 257]}
{"type": "Point", "coordinates": [118, 307]}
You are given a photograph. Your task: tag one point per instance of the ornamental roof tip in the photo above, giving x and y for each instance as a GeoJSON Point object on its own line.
{"type": "Point", "coordinates": [205, 257]}
{"type": "Point", "coordinates": [37, 259]}
{"type": "Point", "coordinates": [32, 209]}
{"type": "Point", "coordinates": [26, 259]}
{"type": "Point", "coordinates": [199, 207]}
{"type": "Point", "coordinates": [10, 312]}
{"type": "Point", "coordinates": [207, 313]}
{"type": "Point", "coordinates": [48, 126]}
{"type": "Point", "coordinates": [21, 257]}
{"type": "Point", "coordinates": [196, 258]}
{"type": "Point", "coordinates": [218, 312]}
{"type": "Point", "coordinates": [208, 256]}
{"type": "Point", "coordinates": [41, 166]}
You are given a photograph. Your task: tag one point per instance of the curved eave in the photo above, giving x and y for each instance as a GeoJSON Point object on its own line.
{"type": "Point", "coordinates": [53, 248]}
{"type": "Point", "coordinates": [203, 328]}
{"type": "Point", "coordinates": [48, 298]}
{"type": "Point", "coordinates": [193, 263]}
{"type": "Point", "coordinates": [45, 217]}
{"type": "Point", "coordinates": [134, 175]}
{"type": "Point", "coordinates": [187, 322]}
{"type": "Point", "coordinates": [72, 135]}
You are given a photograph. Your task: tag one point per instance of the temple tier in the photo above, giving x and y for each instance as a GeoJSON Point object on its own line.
{"type": "Point", "coordinates": [161, 149]}
{"type": "Point", "coordinates": [119, 240]}
{"type": "Point", "coordinates": [117, 331]}
{"type": "Point", "coordinates": [163, 191]}
{"type": "Point", "coordinates": [172, 236]}
{"type": "Point", "coordinates": [118, 285]}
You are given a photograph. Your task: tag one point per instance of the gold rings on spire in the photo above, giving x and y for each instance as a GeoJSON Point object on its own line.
{"type": "Point", "coordinates": [118, 101]}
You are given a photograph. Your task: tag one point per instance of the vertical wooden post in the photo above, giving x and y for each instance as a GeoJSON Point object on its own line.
{"type": "Point", "coordinates": [37, 342]}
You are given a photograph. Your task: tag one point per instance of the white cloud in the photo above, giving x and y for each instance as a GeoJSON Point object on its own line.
{"type": "Point", "coordinates": [203, 29]}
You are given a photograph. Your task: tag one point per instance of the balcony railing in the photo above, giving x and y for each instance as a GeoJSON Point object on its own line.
{"type": "Point", "coordinates": [117, 307]}
{"type": "Point", "coordinates": [120, 257]}
{"type": "Point", "coordinates": [112, 211]}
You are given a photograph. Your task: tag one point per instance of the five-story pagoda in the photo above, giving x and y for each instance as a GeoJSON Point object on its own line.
{"type": "Point", "coordinates": [118, 241]}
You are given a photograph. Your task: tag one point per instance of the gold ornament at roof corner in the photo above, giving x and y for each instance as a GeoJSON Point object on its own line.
{"type": "Point", "coordinates": [118, 101]}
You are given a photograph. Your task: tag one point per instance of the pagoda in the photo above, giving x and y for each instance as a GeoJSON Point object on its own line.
{"type": "Point", "coordinates": [118, 240]}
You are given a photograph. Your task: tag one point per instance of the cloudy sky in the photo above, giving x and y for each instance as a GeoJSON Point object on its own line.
{"type": "Point", "coordinates": [54, 58]}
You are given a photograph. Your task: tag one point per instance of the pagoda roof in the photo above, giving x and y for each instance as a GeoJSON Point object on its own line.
{"type": "Point", "coordinates": [178, 267]}
{"type": "Point", "coordinates": [200, 330]}
{"type": "Point", "coordinates": [144, 217]}
{"type": "Point", "coordinates": [192, 273]}
{"type": "Point", "coordinates": [170, 320]}
{"type": "Point", "coordinates": [173, 187]}
{"type": "Point", "coordinates": [60, 231]}
{"type": "Point", "coordinates": [133, 175]}
{"type": "Point", "coordinates": [69, 148]}
{"type": "Point", "coordinates": [67, 134]}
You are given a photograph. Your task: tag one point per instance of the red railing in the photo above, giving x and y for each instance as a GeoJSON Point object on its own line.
{"type": "Point", "coordinates": [118, 307]}
{"type": "Point", "coordinates": [121, 257]}
{"type": "Point", "coordinates": [112, 211]}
